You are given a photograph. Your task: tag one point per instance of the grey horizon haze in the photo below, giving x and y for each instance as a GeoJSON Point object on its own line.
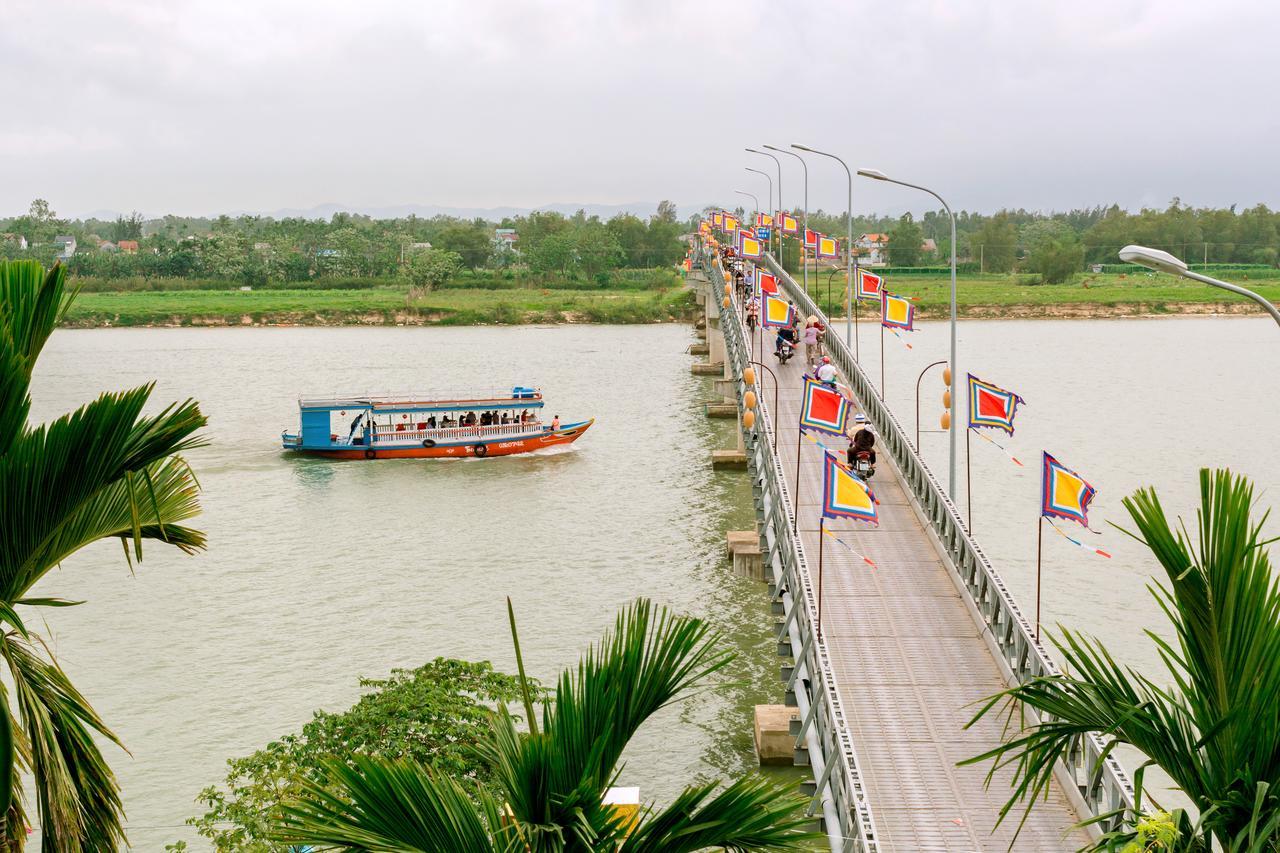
{"type": "Point", "coordinates": [198, 108]}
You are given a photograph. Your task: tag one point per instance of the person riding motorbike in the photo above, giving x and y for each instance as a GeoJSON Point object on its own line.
{"type": "Point", "coordinates": [861, 455]}
{"type": "Point", "coordinates": [826, 372]}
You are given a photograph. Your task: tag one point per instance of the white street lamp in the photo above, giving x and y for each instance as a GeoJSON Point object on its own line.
{"type": "Point", "coordinates": [848, 262]}
{"type": "Point", "coordinates": [876, 174]}
{"type": "Point", "coordinates": [777, 163]}
{"type": "Point", "coordinates": [1159, 261]}
{"type": "Point", "coordinates": [804, 258]}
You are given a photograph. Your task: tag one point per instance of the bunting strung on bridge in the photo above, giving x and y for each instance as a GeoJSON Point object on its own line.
{"type": "Point", "coordinates": [863, 557]}
{"type": "Point", "coordinates": [1073, 541]}
{"type": "Point", "coordinates": [730, 223]}
{"type": "Point", "coordinates": [844, 495]}
{"type": "Point", "coordinates": [823, 409]}
{"type": "Point", "coordinates": [790, 225]}
{"type": "Point", "coordinates": [870, 285]}
{"type": "Point", "coordinates": [775, 312]}
{"type": "Point", "coordinates": [749, 246]}
{"type": "Point", "coordinates": [763, 220]}
{"type": "Point", "coordinates": [828, 247]}
{"type": "Point", "coordinates": [991, 406]}
{"type": "Point", "coordinates": [717, 220]}
{"type": "Point", "coordinates": [767, 282]}
{"type": "Point", "coordinates": [1064, 493]}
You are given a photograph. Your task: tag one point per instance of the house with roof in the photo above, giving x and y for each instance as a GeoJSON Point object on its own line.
{"type": "Point", "coordinates": [128, 247]}
{"type": "Point", "coordinates": [16, 239]}
{"type": "Point", "coordinates": [504, 241]}
{"type": "Point", "coordinates": [66, 244]}
{"type": "Point", "coordinates": [872, 249]}
{"type": "Point", "coordinates": [929, 246]}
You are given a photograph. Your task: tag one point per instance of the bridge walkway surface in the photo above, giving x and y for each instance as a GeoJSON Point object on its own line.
{"type": "Point", "coordinates": [910, 662]}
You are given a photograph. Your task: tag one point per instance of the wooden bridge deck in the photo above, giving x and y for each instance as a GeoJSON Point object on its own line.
{"type": "Point", "coordinates": [911, 661]}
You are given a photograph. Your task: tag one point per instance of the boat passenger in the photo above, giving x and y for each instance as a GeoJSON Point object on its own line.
{"type": "Point", "coordinates": [555, 422]}
{"type": "Point", "coordinates": [484, 419]}
{"type": "Point", "coordinates": [506, 418]}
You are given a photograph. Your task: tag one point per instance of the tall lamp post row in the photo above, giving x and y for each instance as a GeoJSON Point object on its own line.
{"type": "Point", "coordinates": [1154, 259]}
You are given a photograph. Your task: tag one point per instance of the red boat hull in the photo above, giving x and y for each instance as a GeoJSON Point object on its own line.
{"type": "Point", "coordinates": [492, 447]}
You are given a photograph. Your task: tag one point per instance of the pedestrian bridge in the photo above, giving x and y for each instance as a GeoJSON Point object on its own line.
{"type": "Point", "coordinates": [906, 648]}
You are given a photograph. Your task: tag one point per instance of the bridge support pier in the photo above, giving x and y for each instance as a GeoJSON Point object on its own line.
{"type": "Point", "coordinates": [775, 744]}
{"type": "Point", "coordinates": [744, 550]}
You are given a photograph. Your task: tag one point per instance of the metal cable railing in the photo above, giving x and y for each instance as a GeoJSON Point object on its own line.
{"type": "Point", "coordinates": [1101, 783]}
{"type": "Point", "coordinates": [823, 736]}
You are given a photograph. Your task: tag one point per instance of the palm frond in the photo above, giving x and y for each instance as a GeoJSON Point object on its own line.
{"type": "Point", "coordinates": [64, 485]}
{"type": "Point", "coordinates": [77, 794]}
{"type": "Point", "coordinates": [378, 804]}
{"type": "Point", "coordinates": [749, 815]}
{"type": "Point", "coordinates": [31, 303]}
{"type": "Point", "coordinates": [1214, 730]}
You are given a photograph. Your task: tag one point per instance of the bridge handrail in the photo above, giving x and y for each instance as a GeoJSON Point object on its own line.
{"type": "Point", "coordinates": [1102, 783]}
{"type": "Point", "coordinates": [850, 825]}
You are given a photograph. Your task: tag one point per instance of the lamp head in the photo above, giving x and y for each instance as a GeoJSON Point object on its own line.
{"type": "Point", "coordinates": [774, 148]}
{"type": "Point", "coordinates": [1153, 259]}
{"type": "Point", "coordinates": [801, 147]}
{"type": "Point", "coordinates": [874, 174]}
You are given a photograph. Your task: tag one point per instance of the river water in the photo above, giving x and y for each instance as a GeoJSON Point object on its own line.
{"type": "Point", "coordinates": [320, 572]}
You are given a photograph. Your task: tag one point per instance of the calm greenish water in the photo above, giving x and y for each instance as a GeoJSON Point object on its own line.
{"type": "Point", "coordinates": [319, 572]}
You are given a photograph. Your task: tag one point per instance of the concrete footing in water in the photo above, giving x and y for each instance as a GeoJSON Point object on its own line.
{"type": "Point", "coordinates": [721, 410]}
{"type": "Point", "coordinates": [714, 368]}
{"type": "Point", "coordinates": [744, 550]}
{"type": "Point", "coordinates": [775, 744]}
{"type": "Point", "coordinates": [729, 459]}
{"type": "Point", "coordinates": [699, 349]}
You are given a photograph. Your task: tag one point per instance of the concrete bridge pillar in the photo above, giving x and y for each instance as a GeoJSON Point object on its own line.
{"type": "Point", "coordinates": [775, 744]}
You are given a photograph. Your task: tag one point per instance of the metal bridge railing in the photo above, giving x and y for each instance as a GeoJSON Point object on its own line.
{"type": "Point", "coordinates": [1101, 782]}
{"type": "Point", "coordinates": [823, 737]}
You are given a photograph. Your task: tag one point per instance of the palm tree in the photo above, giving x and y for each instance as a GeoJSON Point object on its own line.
{"type": "Point", "coordinates": [549, 783]}
{"type": "Point", "coordinates": [1216, 729]}
{"type": "Point", "coordinates": [101, 471]}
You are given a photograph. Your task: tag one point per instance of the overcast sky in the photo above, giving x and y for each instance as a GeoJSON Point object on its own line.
{"type": "Point", "coordinates": [202, 107]}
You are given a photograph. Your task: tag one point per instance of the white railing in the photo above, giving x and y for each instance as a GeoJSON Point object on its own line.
{"type": "Point", "coordinates": [450, 434]}
{"type": "Point", "coordinates": [441, 395]}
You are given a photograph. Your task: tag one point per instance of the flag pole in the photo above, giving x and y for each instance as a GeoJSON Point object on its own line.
{"type": "Point", "coordinates": [882, 353]}
{"type": "Point", "coordinates": [1039, 550]}
{"type": "Point", "coordinates": [857, 353]}
{"type": "Point", "coordinates": [822, 547]}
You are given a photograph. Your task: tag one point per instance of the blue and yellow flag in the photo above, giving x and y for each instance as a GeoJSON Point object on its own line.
{"type": "Point", "coordinates": [775, 312]}
{"type": "Point", "coordinates": [844, 495]}
{"type": "Point", "coordinates": [1064, 493]}
{"type": "Point", "coordinates": [896, 312]}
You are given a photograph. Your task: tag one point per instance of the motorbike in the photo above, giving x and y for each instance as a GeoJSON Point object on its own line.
{"type": "Point", "coordinates": [862, 464]}
{"type": "Point", "coordinates": [784, 351]}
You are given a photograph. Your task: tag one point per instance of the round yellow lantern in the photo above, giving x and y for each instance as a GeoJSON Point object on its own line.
{"type": "Point", "coordinates": [748, 419]}
{"type": "Point", "coordinates": [749, 399]}
{"type": "Point", "coordinates": [946, 420]}
{"type": "Point", "coordinates": [749, 376]}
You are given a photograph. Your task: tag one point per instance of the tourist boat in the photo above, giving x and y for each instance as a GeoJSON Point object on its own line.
{"type": "Point", "coordinates": [428, 426]}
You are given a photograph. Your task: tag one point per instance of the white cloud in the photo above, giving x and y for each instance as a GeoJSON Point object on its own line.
{"type": "Point", "coordinates": [205, 106]}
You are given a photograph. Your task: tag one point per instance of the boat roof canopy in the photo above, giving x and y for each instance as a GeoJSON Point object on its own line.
{"type": "Point", "coordinates": [518, 397]}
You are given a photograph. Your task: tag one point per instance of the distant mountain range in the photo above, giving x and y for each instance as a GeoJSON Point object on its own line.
{"type": "Point", "coordinates": [642, 209]}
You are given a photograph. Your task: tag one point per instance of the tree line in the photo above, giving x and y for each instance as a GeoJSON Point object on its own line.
{"type": "Point", "coordinates": [426, 251]}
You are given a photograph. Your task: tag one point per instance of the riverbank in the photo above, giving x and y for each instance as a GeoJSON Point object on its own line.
{"type": "Point", "coordinates": [377, 307]}
{"type": "Point", "coordinates": [979, 296]}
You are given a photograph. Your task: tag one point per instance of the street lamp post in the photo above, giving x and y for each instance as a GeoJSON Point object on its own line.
{"type": "Point", "coordinates": [753, 198]}
{"type": "Point", "coordinates": [848, 246]}
{"type": "Point", "coordinates": [877, 175]}
{"type": "Point", "coordinates": [805, 166]}
{"type": "Point", "coordinates": [1159, 261]}
{"type": "Point", "coordinates": [768, 178]}
{"type": "Point", "coordinates": [778, 163]}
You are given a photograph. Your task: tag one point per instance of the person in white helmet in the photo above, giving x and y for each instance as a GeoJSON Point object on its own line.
{"type": "Point", "coordinates": [826, 372]}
